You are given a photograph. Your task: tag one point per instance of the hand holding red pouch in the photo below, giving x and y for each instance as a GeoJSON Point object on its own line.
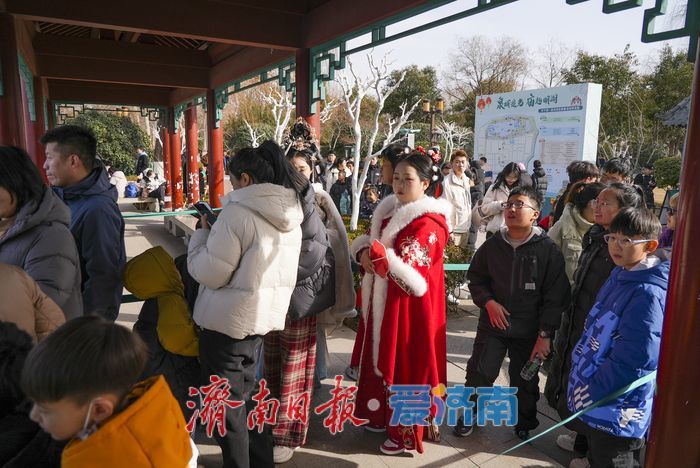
{"type": "Point", "coordinates": [377, 253]}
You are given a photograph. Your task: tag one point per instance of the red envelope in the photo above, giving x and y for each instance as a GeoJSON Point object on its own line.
{"type": "Point", "coordinates": [377, 253]}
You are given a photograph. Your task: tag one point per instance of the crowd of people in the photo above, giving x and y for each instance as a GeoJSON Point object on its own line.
{"type": "Point", "coordinates": [581, 290]}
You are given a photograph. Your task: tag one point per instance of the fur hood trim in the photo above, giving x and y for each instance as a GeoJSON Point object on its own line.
{"type": "Point", "coordinates": [401, 216]}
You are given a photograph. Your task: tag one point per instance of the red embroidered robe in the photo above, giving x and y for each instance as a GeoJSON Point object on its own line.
{"type": "Point", "coordinates": [404, 314]}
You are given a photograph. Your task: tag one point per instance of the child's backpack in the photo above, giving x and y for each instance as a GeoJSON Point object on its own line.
{"type": "Point", "coordinates": [131, 190]}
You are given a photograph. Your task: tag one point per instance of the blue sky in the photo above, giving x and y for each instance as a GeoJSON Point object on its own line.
{"type": "Point", "coordinates": [534, 23]}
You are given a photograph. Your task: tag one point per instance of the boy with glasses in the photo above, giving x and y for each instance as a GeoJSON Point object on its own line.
{"type": "Point", "coordinates": [517, 279]}
{"type": "Point", "coordinates": [620, 343]}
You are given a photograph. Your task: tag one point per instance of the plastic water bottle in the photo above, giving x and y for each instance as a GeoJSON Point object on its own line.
{"type": "Point", "coordinates": [531, 368]}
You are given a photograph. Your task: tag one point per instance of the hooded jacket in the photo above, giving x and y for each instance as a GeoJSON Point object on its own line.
{"type": "Point", "coordinates": [40, 242]}
{"type": "Point", "coordinates": [568, 233]}
{"type": "Point", "coordinates": [153, 275]}
{"type": "Point", "coordinates": [528, 281]}
{"type": "Point", "coordinates": [150, 431]}
{"type": "Point", "coordinates": [593, 270]}
{"type": "Point", "coordinates": [174, 327]}
{"type": "Point", "coordinates": [619, 345]}
{"type": "Point", "coordinates": [98, 229]}
{"type": "Point", "coordinates": [29, 308]}
{"type": "Point", "coordinates": [247, 262]}
{"type": "Point", "coordinates": [315, 286]}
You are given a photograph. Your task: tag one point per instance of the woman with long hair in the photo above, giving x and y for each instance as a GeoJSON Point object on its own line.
{"type": "Point", "coordinates": [245, 264]}
{"type": "Point", "coordinates": [491, 207]}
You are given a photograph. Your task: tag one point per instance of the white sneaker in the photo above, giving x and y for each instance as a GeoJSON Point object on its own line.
{"type": "Point", "coordinates": [282, 454]}
{"type": "Point", "coordinates": [579, 463]}
{"type": "Point", "coordinates": [566, 441]}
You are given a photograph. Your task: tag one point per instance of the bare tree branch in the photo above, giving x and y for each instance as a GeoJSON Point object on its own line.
{"type": "Point", "coordinates": [354, 90]}
{"type": "Point", "coordinates": [281, 108]}
{"type": "Point", "coordinates": [254, 135]}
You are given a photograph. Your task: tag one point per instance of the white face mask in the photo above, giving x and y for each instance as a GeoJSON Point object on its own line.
{"type": "Point", "coordinates": [86, 431]}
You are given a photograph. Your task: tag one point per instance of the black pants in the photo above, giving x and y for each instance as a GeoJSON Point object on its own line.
{"type": "Point", "coordinates": [610, 451]}
{"type": "Point", "coordinates": [158, 193]}
{"type": "Point", "coordinates": [224, 356]}
{"type": "Point", "coordinates": [485, 363]}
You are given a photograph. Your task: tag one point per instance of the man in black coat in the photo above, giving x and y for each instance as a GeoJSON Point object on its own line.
{"type": "Point", "coordinates": [517, 280]}
{"type": "Point", "coordinates": [646, 181]}
{"type": "Point", "coordinates": [141, 160]}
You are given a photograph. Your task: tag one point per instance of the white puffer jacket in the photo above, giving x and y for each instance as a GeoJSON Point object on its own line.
{"type": "Point", "coordinates": [247, 264]}
{"type": "Point", "coordinates": [491, 206]}
{"type": "Point", "coordinates": [456, 191]}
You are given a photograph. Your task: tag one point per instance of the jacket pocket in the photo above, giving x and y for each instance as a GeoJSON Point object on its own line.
{"type": "Point", "coordinates": [527, 275]}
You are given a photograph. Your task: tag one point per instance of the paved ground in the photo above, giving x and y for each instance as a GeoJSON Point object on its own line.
{"type": "Point", "coordinates": [355, 447]}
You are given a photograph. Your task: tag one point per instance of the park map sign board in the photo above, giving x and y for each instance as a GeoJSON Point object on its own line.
{"type": "Point", "coordinates": [555, 125]}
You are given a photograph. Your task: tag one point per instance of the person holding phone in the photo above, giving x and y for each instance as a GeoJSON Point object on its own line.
{"type": "Point", "coordinates": [246, 265]}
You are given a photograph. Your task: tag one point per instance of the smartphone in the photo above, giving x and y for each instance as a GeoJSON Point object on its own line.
{"type": "Point", "coordinates": [203, 208]}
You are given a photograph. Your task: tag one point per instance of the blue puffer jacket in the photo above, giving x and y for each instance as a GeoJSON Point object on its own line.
{"type": "Point", "coordinates": [98, 229]}
{"type": "Point", "coordinates": [619, 345]}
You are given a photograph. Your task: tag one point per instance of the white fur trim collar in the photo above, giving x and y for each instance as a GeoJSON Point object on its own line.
{"type": "Point", "coordinates": [401, 216]}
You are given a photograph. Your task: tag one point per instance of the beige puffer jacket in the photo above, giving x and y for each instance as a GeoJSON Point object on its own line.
{"type": "Point", "coordinates": [25, 305]}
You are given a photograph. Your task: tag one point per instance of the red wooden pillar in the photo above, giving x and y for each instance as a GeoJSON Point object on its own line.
{"type": "Point", "coordinates": [303, 96]}
{"type": "Point", "coordinates": [175, 161]}
{"type": "Point", "coordinates": [675, 431]}
{"type": "Point", "coordinates": [12, 128]}
{"type": "Point", "coordinates": [167, 162]}
{"type": "Point", "coordinates": [40, 124]}
{"type": "Point", "coordinates": [216, 152]}
{"type": "Point", "coordinates": [192, 143]}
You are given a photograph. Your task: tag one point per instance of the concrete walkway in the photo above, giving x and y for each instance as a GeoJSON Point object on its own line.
{"type": "Point", "coordinates": [355, 447]}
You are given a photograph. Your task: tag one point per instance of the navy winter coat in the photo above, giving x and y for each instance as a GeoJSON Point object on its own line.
{"type": "Point", "coordinates": [39, 241]}
{"type": "Point", "coordinates": [619, 345]}
{"type": "Point", "coordinates": [98, 229]}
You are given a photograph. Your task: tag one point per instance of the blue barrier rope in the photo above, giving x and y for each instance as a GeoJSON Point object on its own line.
{"type": "Point", "coordinates": [627, 388]}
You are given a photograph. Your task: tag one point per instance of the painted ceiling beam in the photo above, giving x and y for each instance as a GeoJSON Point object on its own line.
{"type": "Point", "coordinates": [207, 20]}
{"type": "Point", "coordinates": [108, 93]}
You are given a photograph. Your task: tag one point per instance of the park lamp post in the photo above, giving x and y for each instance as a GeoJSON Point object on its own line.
{"type": "Point", "coordinates": [432, 109]}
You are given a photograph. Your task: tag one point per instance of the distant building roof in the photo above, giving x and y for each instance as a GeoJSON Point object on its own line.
{"type": "Point", "coordinates": [676, 116]}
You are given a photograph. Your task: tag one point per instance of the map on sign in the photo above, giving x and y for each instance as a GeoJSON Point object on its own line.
{"type": "Point", "coordinates": [553, 125]}
{"type": "Point", "coordinates": [506, 139]}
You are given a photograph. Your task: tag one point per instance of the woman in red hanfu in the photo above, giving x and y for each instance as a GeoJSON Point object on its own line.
{"type": "Point", "coordinates": [403, 299]}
